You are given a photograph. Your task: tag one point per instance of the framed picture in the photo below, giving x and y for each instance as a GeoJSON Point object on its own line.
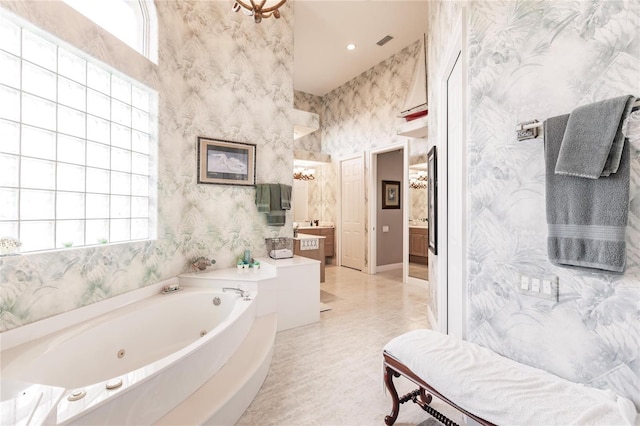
{"type": "Point", "coordinates": [390, 194]}
{"type": "Point", "coordinates": [225, 162]}
{"type": "Point", "coordinates": [432, 202]}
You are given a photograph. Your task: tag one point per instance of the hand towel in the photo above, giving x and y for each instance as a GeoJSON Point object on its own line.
{"type": "Point", "coordinates": [276, 216]}
{"type": "Point", "coordinates": [275, 202]}
{"type": "Point", "coordinates": [587, 218]}
{"type": "Point", "coordinates": [285, 196]}
{"type": "Point", "coordinates": [263, 199]}
{"type": "Point", "coordinates": [592, 143]}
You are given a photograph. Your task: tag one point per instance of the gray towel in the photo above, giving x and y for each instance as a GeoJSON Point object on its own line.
{"type": "Point", "coordinates": [285, 196]}
{"type": "Point", "coordinates": [276, 216]}
{"type": "Point", "coordinates": [587, 218]}
{"type": "Point", "coordinates": [263, 198]}
{"type": "Point", "coordinates": [592, 144]}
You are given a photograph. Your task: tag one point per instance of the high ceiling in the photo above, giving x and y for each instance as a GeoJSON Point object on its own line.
{"type": "Point", "coordinates": [323, 28]}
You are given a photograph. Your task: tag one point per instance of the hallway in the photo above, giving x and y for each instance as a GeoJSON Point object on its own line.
{"type": "Point", "coordinates": [330, 373]}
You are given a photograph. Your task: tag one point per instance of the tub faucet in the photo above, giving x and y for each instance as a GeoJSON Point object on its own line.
{"type": "Point", "coordinates": [243, 293]}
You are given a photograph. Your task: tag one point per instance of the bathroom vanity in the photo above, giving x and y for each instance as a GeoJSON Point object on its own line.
{"type": "Point", "coordinates": [325, 231]}
{"type": "Point", "coordinates": [311, 247]}
{"type": "Point", "coordinates": [419, 244]}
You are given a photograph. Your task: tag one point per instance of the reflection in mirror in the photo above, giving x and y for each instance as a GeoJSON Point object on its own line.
{"type": "Point", "coordinates": [418, 224]}
{"type": "Point", "coordinates": [307, 191]}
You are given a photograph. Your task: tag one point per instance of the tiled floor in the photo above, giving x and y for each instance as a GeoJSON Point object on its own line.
{"type": "Point", "coordinates": [330, 373]}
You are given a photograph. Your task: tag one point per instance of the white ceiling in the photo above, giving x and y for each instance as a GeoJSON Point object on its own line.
{"type": "Point", "coordinates": [323, 28]}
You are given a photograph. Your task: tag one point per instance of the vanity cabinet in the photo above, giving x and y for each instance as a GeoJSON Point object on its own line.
{"type": "Point", "coordinates": [326, 232]}
{"type": "Point", "coordinates": [419, 245]}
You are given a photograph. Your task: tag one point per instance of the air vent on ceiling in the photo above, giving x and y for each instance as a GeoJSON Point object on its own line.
{"type": "Point", "coordinates": [384, 40]}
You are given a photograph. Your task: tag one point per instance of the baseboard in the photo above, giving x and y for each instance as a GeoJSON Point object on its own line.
{"type": "Point", "coordinates": [389, 267]}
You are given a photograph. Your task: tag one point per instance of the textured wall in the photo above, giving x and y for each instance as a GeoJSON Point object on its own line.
{"type": "Point", "coordinates": [219, 75]}
{"type": "Point", "coordinates": [535, 59]}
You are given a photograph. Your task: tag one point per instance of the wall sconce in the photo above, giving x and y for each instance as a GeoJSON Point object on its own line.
{"type": "Point", "coordinates": [259, 8]}
{"type": "Point", "coordinates": [304, 174]}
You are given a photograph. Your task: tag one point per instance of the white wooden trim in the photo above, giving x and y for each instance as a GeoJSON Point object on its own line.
{"type": "Point", "coordinates": [389, 267]}
{"type": "Point", "coordinates": [457, 47]}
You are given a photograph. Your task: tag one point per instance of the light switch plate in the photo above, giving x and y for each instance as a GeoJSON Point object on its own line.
{"type": "Point", "coordinates": [535, 285]}
{"type": "Point", "coordinates": [385, 228]}
{"type": "Point", "coordinates": [543, 286]}
{"type": "Point", "coordinates": [524, 283]}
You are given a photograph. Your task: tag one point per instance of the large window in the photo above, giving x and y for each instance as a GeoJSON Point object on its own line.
{"type": "Point", "coordinates": [77, 145]}
{"type": "Point", "coordinates": [132, 21]}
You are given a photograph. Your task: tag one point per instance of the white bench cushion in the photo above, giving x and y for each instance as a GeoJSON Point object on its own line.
{"type": "Point", "coordinates": [504, 391]}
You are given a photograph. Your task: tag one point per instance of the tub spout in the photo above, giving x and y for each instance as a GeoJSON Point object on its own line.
{"type": "Point", "coordinates": [243, 293]}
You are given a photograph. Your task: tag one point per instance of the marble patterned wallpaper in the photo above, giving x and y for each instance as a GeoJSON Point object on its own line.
{"type": "Point", "coordinates": [536, 59]}
{"type": "Point", "coordinates": [219, 75]}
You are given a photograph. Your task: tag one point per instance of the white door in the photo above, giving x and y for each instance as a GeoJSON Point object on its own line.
{"type": "Point", "coordinates": [456, 191]}
{"type": "Point", "coordinates": [352, 213]}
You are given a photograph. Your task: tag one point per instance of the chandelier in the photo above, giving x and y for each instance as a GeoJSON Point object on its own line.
{"type": "Point", "coordinates": [259, 8]}
{"type": "Point", "coordinates": [304, 174]}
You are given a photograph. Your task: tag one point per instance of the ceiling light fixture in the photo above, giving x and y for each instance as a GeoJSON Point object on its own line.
{"type": "Point", "coordinates": [259, 8]}
{"type": "Point", "coordinates": [351, 46]}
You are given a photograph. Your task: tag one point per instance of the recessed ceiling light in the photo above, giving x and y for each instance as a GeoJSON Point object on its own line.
{"type": "Point", "coordinates": [351, 46]}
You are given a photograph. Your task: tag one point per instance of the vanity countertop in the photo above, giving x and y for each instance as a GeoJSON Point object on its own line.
{"type": "Point", "coordinates": [315, 227]}
{"type": "Point", "coordinates": [308, 237]}
{"type": "Point", "coordinates": [419, 226]}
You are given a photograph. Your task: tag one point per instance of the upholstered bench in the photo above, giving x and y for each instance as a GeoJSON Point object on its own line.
{"type": "Point", "coordinates": [492, 389]}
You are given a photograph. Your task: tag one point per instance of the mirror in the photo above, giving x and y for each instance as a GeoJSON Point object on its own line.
{"type": "Point", "coordinates": [307, 193]}
{"type": "Point", "coordinates": [418, 224]}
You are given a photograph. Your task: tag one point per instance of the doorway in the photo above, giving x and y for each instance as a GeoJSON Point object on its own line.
{"type": "Point", "coordinates": [388, 226]}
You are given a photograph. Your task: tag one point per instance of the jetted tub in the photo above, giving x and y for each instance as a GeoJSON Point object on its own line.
{"type": "Point", "coordinates": [162, 348]}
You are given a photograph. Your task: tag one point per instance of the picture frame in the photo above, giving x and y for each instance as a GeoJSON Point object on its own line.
{"type": "Point", "coordinates": [391, 194]}
{"type": "Point", "coordinates": [224, 162]}
{"type": "Point", "coordinates": [432, 202]}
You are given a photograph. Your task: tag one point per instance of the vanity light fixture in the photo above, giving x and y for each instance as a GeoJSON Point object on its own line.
{"type": "Point", "coordinates": [351, 46]}
{"type": "Point", "coordinates": [259, 8]}
{"type": "Point", "coordinates": [418, 181]}
{"type": "Point", "coordinates": [304, 174]}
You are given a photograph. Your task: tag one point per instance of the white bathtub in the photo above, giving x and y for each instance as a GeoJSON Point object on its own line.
{"type": "Point", "coordinates": [154, 346]}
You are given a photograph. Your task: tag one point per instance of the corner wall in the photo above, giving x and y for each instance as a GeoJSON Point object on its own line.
{"type": "Point", "coordinates": [536, 60]}
{"type": "Point", "coordinates": [219, 75]}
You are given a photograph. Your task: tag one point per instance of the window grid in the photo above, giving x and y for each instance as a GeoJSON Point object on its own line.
{"type": "Point", "coordinates": [119, 219]}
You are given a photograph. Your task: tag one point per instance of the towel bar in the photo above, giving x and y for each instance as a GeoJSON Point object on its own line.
{"type": "Point", "coordinates": [533, 128]}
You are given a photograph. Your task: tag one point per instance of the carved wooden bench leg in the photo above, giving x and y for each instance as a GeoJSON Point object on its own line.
{"type": "Point", "coordinates": [388, 381]}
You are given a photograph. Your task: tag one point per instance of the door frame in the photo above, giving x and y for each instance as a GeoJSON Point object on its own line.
{"type": "Point", "coordinates": [338, 225]}
{"type": "Point", "coordinates": [455, 48]}
{"type": "Point", "coordinates": [373, 204]}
